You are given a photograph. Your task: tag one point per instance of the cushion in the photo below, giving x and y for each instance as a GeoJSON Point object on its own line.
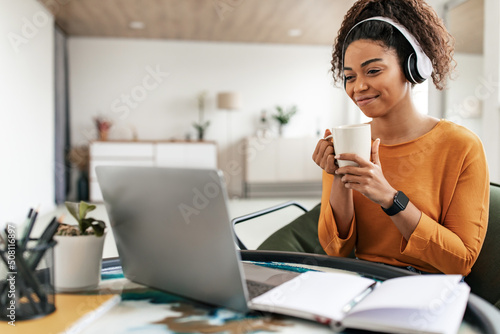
{"type": "Point", "coordinates": [484, 278]}
{"type": "Point", "coordinates": [301, 235]}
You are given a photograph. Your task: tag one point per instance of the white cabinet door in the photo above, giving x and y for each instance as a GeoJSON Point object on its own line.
{"type": "Point", "coordinates": [186, 155]}
{"type": "Point", "coordinates": [126, 150]}
{"type": "Point", "coordinates": [285, 160]}
{"type": "Point", "coordinates": [312, 172]}
{"type": "Point", "coordinates": [169, 155]}
{"type": "Point", "coordinates": [176, 154]}
{"type": "Point", "coordinates": [290, 160]}
{"type": "Point", "coordinates": [201, 156]}
{"type": "Point", "coordinates": [261, 162]}
{"type": "Point", "coordinates": [117, 154]}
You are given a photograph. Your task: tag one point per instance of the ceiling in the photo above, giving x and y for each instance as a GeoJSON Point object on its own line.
{"type": "Point", "coordinates": [312, 22]}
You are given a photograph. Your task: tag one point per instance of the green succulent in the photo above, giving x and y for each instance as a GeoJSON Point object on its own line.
{"type": "Point", "coordinates": [86, 226]}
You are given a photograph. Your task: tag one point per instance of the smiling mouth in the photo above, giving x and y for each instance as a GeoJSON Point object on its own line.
{"type": "Point", "coordinates": [365, 100]}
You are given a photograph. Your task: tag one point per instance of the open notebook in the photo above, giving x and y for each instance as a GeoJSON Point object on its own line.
{"type": "Point", "coordinates": [409, 304]}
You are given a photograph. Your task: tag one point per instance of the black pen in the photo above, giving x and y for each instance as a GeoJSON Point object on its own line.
{"type": "Point", "coordinates": [28, 227]}
{"type": "Point", "coordinates": [44, 240]}
{"type": "Point", "coordinates": [356, 300]}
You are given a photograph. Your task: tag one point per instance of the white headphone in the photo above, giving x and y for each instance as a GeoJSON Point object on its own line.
{"type": "Point", "coordinates": [417, 67]}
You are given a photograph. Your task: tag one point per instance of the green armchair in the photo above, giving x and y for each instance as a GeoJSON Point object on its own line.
{"type": "Point", "coordinates": [484, 278]}
{"type": "Point", "coordinates": [301, 235]}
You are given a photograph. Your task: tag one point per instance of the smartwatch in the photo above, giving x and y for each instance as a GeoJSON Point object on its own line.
{"type": "Point", "coordinates": [399, 204]}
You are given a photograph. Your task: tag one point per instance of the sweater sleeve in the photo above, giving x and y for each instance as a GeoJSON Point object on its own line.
{"type": "Point", "coordinates": [453, 245]}
{"type": "Point", "coordinates": [327, 228]}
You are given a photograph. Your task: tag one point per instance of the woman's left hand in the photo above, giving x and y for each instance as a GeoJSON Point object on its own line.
{"type": "Point", "coordinates": [368, 178]}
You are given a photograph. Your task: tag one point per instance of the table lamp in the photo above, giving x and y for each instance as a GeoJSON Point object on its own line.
{"type": "Point", "coordinates": [228, 101]}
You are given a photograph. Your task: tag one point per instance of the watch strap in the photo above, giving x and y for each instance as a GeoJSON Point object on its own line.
{"type": "Point", "coordinates": [399, 204]}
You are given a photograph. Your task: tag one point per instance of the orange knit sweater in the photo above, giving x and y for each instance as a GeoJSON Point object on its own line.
{"type": "Point", "coordinates": [445, 174]}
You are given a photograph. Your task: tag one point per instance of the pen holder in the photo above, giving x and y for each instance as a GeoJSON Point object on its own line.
{"type": "Point", "coordinates": [26, 282]}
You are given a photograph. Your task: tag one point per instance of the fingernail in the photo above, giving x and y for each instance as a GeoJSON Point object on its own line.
{"type": "Point", "coordinates": [336, 171]}
{"type": "Point", "coordinates": [337, 156]}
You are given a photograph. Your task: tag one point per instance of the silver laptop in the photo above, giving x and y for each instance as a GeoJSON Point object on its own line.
{"type": "Point", "coordinates": [173, 232]}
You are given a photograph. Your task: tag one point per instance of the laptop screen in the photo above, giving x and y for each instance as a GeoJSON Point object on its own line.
{"type": "Point", "coordinates": [173, 231]}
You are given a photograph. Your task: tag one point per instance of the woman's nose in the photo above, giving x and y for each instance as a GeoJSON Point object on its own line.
{"type": "Point", "coordinates": [360, 85]}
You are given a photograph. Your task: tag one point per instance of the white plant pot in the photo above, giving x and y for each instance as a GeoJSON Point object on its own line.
{"type": "Point", "coordinates": [77, 262]}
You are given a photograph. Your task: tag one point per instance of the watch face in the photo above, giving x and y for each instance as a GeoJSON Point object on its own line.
{"type": "Point", "coordinates": [401, 200]}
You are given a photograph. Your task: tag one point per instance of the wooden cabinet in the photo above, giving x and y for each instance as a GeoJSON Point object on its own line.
{"type": "Point", "coordinates": [160, 154]}
{"type": "Point", "coordinates": [281, 167]}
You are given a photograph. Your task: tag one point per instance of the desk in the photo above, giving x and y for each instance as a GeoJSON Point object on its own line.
{"type": "Point", "coordinates": [145, 310]}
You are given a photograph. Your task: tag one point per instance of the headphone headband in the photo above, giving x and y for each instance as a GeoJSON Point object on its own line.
{"type": "Point", "coordinates": [418, 67]}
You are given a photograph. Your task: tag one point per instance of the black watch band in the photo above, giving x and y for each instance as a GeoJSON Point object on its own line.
{"type": "Point", "coordinates": [399, 204]}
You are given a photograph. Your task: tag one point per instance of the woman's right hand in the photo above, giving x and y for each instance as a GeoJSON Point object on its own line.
{"type": "Point", "coordinates": [324, 154]}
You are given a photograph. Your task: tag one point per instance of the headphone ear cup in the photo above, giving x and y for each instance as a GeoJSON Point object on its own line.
{"type": "Point", "coordinates": [411, 71]}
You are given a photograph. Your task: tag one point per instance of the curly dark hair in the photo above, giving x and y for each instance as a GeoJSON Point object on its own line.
{"type": "Point", "coordinates": [416, 16]}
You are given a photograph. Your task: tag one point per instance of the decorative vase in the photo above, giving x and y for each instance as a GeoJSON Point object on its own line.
{"type": "Point", "coordinates": [83, 186]}
{"type": "Point", "coordinates": [201, 134]}
{"type": "Point", "coordinates": [77, 262]}
{"type": "Point", "coordinates": [103, 134]}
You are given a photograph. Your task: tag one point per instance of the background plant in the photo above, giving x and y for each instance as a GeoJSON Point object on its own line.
{"type": "Point", "coordinates": [79, 157]}
{"type": "Point", "coordinates": [283, 116]}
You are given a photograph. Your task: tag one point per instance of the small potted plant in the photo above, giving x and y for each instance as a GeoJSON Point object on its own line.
{"type": "Point", "coordinates": [202, 125]}
{"type": "Point", "coordinates": [283, 117]}
{"type": "Point", "coordinates": [78, 253]}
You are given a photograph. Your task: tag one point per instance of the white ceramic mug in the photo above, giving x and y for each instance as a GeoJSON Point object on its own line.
{"type": "Point", "coordinates": [352, 139]}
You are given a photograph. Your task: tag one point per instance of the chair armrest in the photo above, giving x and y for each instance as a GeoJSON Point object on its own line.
{"type": "Point", "coordinates": [259, 213]}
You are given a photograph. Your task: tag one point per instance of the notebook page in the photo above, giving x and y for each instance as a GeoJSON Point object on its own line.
{"type": "Point", "coordinates": [411, 292]}
{"type": "Point", "coordinates": [315, 293]}
{"type": "Point", "coordinates": [443, 318]}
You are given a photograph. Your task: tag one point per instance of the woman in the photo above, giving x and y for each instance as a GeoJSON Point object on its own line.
{"type": "Point", "coordinates": [422, 201]}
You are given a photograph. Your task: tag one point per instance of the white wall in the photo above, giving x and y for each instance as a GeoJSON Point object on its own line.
{"type": "Point", "coordinates": [465, 94]}
{"type": "Point", "coordinates": [103, 71]}
{"type": "Point", "coordinates": [27, 109]}
{"type": "Point", "coordinates": [491, 75]}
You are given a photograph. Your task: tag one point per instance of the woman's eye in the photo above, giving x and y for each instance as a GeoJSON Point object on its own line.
{"type": "Point", "coordinates": [373, 71]}
{"type": "Point", "coordinates": [349, 77]}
